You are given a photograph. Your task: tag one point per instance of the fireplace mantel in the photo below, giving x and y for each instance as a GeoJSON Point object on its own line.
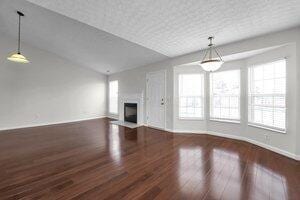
{"type": "Point", "coordinates": [137, 98]}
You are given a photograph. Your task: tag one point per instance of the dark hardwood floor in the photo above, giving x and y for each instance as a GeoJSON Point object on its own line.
{"type": "Point", "coordinates": [97, 160]}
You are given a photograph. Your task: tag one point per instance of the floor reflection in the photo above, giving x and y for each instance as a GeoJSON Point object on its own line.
{"type": "Point", "coordinates": [190, 170]}
{"type": "Point", "coordinates": [114, 144]}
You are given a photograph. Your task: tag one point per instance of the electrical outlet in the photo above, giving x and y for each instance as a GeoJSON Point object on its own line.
{"type": "Point", "coordinates": [267, 138]}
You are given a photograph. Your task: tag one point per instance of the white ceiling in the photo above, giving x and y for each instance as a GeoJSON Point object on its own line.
{"type": "Point", "coordinates": [176, 27]}
{"type": "Point", "coordinates": [73, 40]}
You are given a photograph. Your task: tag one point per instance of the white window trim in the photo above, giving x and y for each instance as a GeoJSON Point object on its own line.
{"type": "Point", "coordinates": [259, 125]}
{"type": "Point", "coordinates": [236, 121]}
{"type": "Point", "coordinates": [226, 120]}
{"type": "Point", "coordinates": [265, 127]}
{"type": "Point", "coordinates": [203, 96]}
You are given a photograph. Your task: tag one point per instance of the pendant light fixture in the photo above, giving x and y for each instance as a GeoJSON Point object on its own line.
{"type": "Point", "coordinates": [209, 63]}
{"type": "Point", "coordinates": [18, 57]}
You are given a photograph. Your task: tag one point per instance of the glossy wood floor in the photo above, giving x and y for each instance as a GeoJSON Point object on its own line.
{"type": "Point", "coordinates": [96, 160]}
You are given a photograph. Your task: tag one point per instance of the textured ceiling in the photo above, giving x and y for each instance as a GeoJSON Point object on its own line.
{"type": "Point", "coordinates": [73, 40]}
{"type": "Point", "coordinates": [176, 27]}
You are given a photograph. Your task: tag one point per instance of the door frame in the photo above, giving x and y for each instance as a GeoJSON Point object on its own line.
{"type": "Point", "coordinates": [164, 71]}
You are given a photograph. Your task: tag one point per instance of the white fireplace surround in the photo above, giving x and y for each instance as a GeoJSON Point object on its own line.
{"type": "Point", "coordinates": [137, 98]}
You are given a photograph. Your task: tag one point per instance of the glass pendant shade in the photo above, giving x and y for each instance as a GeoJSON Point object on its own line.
{"type": "Point", "coordinates": [17, 57]}
{"type": "Point", "coordinates": [208, 63]}
{"type": "Point", "coordinates": [211, 65]}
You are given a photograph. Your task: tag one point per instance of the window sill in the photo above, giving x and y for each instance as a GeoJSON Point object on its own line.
{"type": "Point", "coordinates": [226, 121]}
{"type": "Point", "coordinates": [267, 128]}
{"type": "Point", "coordinates": [190, 119]}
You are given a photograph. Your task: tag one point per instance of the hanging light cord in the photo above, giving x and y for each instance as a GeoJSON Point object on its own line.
{"type": "Point", "coordinates": [19, 36]}
{"type": "Point", "coordinates": [211, 48]}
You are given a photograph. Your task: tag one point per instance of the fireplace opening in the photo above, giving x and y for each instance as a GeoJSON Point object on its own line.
{"type": "Point", "coordinates": [130, 112]}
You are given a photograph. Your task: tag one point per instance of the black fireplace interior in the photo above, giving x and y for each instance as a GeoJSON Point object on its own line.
{"type": "Point", "coordinates": [130, 112]}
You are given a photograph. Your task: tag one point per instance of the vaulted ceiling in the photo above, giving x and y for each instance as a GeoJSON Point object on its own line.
{"type": "Point", "coordinates": [176, 27]}
{"type": "Point", "coordinates": [116, 34]}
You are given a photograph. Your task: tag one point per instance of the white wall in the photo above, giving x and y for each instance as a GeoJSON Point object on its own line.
{"type": "Point", "coordinates": [289, 143]}
{"type": "Point", "coordinates": [48, 90]}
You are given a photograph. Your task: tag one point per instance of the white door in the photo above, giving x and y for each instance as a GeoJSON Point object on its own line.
{"type": "Point", "coordinates": [156, 99]}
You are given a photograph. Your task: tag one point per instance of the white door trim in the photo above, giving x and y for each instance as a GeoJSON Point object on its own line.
{"type": "Point", "coordinates": [165, 95]}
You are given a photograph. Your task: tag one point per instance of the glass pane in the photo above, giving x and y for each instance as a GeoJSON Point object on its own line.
{"type": "Point", "coordinates": [183, 102]}
{"type": "Point", "coordinates": [267, 116]}
{"type": "Point", "coordinates": [279, 118]}
{"type": "Point", "coordinates": [216, 113]}
{"type": "Point", "coordinates": [190, 110]}
{"type": "Point", "coordinates": [267, 101]}
{"type": "Point", "coordinates": [271, 93]}
{"type": "Point", "coordinates": [258, 87]}
{"type": "Point", "coordinates": [258, 100]}
{"type": "Point", "coordinates": [269, 71]}
{"type": "Point", "coordinates": [257, 114]}
{"type": "Point", "coordinates": [198, 102]}
{"type": "Point", "coordinates": [216, 102]}
{"type": "Point", "coordinates": [190, 102]}
{"type": "Point", "coordinates": [280, 87]}
{"type": "Point", "coordinates": [190, 84]}
{"type": "Point", "coordinates": [113, 96]}
{"type": "Point", "coordinates": [258, 73]}
{"type": "Point", "coordinates": [234, 102]}
{"type": "Point", "coordinates": [225, 102]}
{"type": "Point", "coordinates": [225, 90]}
{"type": "Point", "coordinates": [182, 111]}
{"type": "Point", "coordinates": [234, 113]}
{"type": "Point", "coordinates": [190, 95]}
{"type": "Point", "coordinates": [198, 112]}
{"type": "Point", "coordinates": [225, 113]}
{"type": "Point", "coordinates": [279, 101]}
{"type": "Point", "coordinates": [268, 86]}
{"type": "Point", "coordinates": [280, 69]}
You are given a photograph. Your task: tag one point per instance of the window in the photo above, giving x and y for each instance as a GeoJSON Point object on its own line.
{"type": "Point", "coordinates": [191, 96]}
{"type": "Point", "coordinates": [267, 95]}
{"type": "Point", "coordinates": [113, 97]}
{"type": "Point", "coordinates": [225, 95]}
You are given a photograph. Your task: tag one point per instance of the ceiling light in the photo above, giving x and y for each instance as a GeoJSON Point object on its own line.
{"type": "Point", "coordinates": [18, 57]}
{"type": "Point", "coordinates": [209, 63]}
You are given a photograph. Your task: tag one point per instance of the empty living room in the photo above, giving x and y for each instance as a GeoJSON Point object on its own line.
{"type": "Point", "coordinates": [150, 99]}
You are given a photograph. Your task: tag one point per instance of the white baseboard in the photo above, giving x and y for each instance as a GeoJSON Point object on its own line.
{"type": "Point", "coordinates": [266, 146]}
{"type": "Point", "coordinates": [47, 124]}
{"type": "Point", "coordinates": [113, 117]}
{"type": "Point", "coordinates": [188, 131]}
{"type": "Point", "coordinates": [274, 149]}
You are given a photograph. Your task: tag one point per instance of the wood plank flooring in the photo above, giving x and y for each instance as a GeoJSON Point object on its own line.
{"type": "Point", "coordinates": [97, 160]}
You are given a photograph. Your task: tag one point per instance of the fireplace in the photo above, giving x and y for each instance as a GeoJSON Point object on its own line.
{"type": "Point", "coordinates": [130, 112]}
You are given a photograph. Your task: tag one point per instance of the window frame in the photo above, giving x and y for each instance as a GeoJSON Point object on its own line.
{"type": "Point", "coordinates": [109, 97]}
{"type": "Point", "coordinates": [249, 117]}
{"type": "Point", "coordinates": [203, 97]}
{"type": "Point", "coordinates": [226, 120]}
